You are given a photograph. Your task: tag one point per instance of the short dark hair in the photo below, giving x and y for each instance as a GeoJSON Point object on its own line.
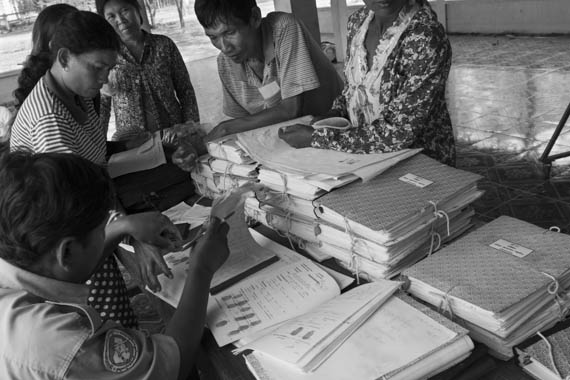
{"type": "Point", "coordinates": [211, 12]}
{"type": "Point", "coordinates": [46, 197]}
{"type": "Point", "coordinates": [100, 5]}
{"type": "Point", "coordinates": [83, 32]}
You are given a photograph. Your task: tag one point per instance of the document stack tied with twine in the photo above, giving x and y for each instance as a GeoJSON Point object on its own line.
{"type": "Point", "coordinates": [377, 226]}
{"type": "Point", "coordinates": [225, 167]}
{"type": "Point", "coordinates": [505, 282]}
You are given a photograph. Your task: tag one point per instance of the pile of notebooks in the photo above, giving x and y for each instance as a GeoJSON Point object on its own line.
{"type": "Point", "coordinates": [379, 227]}
{"type": "Point", "coordinates": [225, 167]}
{"type": "Point", "coordinates": [505, 282]}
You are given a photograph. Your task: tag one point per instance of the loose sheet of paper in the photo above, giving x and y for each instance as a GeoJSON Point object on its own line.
{"type": "Point", "coordinates": [261, 301]}
{"type": "Point", "coordinates": [147, 156]}
{"type": "Point", "coordinates": [193, 215]}
{"type": "Point", "coordinates": [265, 147]}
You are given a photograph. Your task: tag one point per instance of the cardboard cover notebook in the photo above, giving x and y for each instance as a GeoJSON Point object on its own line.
{"type": "Point", "coordinates": [400, 200]}
{"type": "Point", "coordinates": [549, 358]}
{"type": "Point", "coordinates": [496, 277]}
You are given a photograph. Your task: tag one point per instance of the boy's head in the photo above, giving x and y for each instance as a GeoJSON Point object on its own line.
{"type": "Point", "coordinates": [232, 26]}
{"type": "Point", "coordinates": [53, 210]}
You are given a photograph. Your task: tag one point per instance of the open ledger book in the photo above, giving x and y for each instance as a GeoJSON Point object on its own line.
{"type": "Point", "coordinates": [403, 340]}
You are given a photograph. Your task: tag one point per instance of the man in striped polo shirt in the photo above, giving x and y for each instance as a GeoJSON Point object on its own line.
{"type": "Point", "coordinates": [271, 69]}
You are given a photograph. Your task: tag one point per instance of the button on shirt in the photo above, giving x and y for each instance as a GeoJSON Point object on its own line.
{"type": "Point", "coordinates": [294, 64]}
{"type": "Point", "coordinates": [49, 333]}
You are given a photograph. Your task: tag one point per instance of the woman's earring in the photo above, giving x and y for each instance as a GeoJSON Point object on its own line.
{"type": "Point", "coordinates": [65, 68]}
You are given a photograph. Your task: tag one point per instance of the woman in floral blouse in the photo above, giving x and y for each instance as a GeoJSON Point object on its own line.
{"type": "Point", "coordinates": [396, 70]}
{"type": "Point", "coordinates": [150, 88]}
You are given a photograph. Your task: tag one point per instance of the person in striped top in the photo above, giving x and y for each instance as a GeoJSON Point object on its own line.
{"type": "Point", "coordinates": [59, 116]}
{"type": "Point", "coordinates": [271, 69]}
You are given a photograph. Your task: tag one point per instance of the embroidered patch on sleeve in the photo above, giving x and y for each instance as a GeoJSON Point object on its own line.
{"type": "Point", "coordinates": [120, 352]}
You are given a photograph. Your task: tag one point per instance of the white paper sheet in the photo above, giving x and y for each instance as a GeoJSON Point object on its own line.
{"type": "Point", "coordinates": [261, 301]}
{"type": "Point", "coordinates": [147, 156]}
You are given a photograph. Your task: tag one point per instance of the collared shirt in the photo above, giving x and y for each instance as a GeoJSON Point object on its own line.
{"type": "Point", "coordinates": [399, 102]}
{"type": "Point", "coordinates": [49, 333]}
{"type": "Point", "coordinates": [294, 64]}
{"type": "Point", "coordinates": [44, 123]}
{"type": "Point", "coordinates": [151, 94]}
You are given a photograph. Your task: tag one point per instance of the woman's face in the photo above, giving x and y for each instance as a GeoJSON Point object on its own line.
{"type": "Point", "coordinates": [385, 7]}
{"type": "Point", "coordinates": [124, 18]}
{"type": "Point", "coordinates": [86, 73]}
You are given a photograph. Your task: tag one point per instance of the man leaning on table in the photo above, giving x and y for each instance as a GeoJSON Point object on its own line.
{"type": "Point", "coordinates": [53, 212]}
{"type": "Point", "coordinates": [270, 67]}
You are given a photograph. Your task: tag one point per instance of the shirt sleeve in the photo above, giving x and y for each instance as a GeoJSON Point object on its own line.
{"type": "Point", "coordinates": [120, 353]}
{"type": "Point", "coordinates": [52, 134]}
{"type": "Point", "coordinates": [183, 86]}
{"type": "Point", "coordinates": [296, 71]}
{"type": "Point", "coordinates": [422, 72]}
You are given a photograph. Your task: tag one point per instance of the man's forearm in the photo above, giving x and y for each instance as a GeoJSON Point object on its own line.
{"type": "Point", "coordinates": [287, 109]}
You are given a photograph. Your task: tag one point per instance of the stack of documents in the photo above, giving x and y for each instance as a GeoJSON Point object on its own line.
{"type": "Point", "coordinates": [380, 227]}
{"type": "Point", "coordinates": [402, 340]}
{"type": "Point", "coordinates": [506, 281]}
{"type": "Point", "coordinates": [225, 167]}
{"type": "Point", "coordinates": [549, 358]}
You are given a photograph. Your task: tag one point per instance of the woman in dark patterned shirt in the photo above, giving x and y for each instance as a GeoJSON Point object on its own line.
{"type": "Point", "coordinates": [396, 69]}
{"type": "Point", "coordinates": [150, 88]}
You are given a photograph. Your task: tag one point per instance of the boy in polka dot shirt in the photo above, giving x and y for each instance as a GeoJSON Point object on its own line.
{"type": "Point", "coordinates": [53, 213]}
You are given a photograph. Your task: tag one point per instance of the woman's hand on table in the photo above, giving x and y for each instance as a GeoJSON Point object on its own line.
{"type": "Point", "coordinates": [297, 135]}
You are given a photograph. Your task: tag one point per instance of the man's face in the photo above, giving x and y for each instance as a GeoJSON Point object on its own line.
{"type": "Point", "coordinates": [234, 38]}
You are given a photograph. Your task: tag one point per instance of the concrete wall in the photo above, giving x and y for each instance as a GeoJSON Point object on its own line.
{"type": "Point", "coordinates": [508, 16]}
{"type": "Point", "coordinates": [8, 83]}
{"type": "Point", "coordinates": [493, 16]}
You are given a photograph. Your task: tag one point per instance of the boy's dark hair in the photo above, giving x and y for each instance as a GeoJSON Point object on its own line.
{"type": "Point", "coordinates": [83, 32]}
{"type": "Point", "coordinates": [100, 5]}
{"type": "Point", "coordinates": [211, 12]}
{"type": "Point", "coordinates": [46, 197]}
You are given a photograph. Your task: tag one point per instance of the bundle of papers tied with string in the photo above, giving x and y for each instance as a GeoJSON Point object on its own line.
{"type": "Point", "coordinates": [383, 225]}
{"type": "Point", "coordinates": [227, 149]}
{"type": "Point", "coordinates": [213, 176]}
{"type": "Point", "coordinates": [505, 281]}
{"type": "Point", "coordinates": [371, 259]}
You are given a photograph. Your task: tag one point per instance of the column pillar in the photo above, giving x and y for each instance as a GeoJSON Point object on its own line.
{"type": "Point", "coordinates": [339, 18]}
{"type": "Point", "coordinates": [304, 10]}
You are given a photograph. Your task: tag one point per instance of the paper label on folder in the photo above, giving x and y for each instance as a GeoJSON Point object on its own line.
{"type": "Point", "coordinates": [415, 180]}
{"type": "Point", "coordinates": [512, 248]}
